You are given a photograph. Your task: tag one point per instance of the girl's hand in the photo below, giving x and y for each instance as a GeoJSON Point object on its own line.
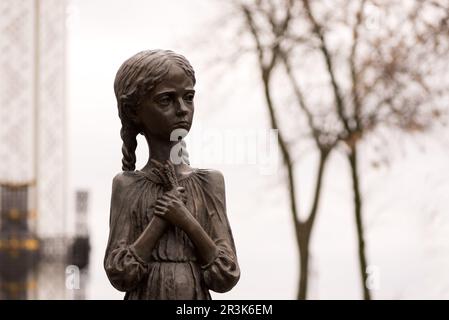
{"type": "Point", "coordinates": [182, 194]}
{"type": "Point", "coordinates": [168, 178]}
{"type": "Point", "coordinates": [171, 208]}
{"type": "Point", "coordinates": [166, 173]}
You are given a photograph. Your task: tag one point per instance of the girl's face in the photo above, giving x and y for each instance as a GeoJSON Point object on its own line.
{"type": "Point", "coordinates": [168, 106]}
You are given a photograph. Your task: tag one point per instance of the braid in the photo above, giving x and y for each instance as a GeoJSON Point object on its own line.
{"type": "Point", "coordinates": [128, 135]}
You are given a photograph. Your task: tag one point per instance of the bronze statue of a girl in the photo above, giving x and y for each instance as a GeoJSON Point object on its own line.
{"type": "Point", "coordinates": [169, 233]}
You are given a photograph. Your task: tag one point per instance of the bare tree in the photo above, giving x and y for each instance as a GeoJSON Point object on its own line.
{"type": "Point", "coordinates": [258, 17]}
{"type": "Point", "coordinates": [389, 81]}
{"type": "Point", "coordinates": [354, 68]}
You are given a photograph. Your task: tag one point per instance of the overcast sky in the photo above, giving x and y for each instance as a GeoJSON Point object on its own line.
{"type": "Point", "coordinates": [406, 211]}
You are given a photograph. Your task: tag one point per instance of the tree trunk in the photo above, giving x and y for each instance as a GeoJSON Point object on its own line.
{"type": "Point", "coordinates": [352, 157]}
{"type": "Point", "coordinates": [304, 229]}
{"type": "Point", "coordinates": [303, 245]}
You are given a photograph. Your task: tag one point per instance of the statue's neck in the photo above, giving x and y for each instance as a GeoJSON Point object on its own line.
{"type": "Point", "coordinates": [161, 150]}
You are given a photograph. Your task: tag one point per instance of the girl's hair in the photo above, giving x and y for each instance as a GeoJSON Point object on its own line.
{"type": "Point", "coordinates": [137, 76]}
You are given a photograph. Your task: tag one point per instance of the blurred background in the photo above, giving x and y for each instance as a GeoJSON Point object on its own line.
{"type": "Point", "coordinates": [327, 119]}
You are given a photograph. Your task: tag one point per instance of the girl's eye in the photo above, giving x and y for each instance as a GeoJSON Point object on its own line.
{"type": "Point", "coordinates": [189, 97]}
{"type": "Point", "coordinates": [164, 100]}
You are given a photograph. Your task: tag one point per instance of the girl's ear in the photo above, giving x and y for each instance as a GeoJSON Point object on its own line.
{"type": "Point", "coordinates": [130, 112]}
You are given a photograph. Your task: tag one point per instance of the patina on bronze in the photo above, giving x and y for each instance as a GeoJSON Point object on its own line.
{"type": "Point", "coordinates": [169, 233]}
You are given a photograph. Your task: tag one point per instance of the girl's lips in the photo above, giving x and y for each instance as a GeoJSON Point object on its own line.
{"type": "Point", "coordinates": [182, 124]}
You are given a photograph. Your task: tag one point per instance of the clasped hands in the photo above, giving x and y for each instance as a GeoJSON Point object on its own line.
{"type": "Point", "coordinates": [171, 206]}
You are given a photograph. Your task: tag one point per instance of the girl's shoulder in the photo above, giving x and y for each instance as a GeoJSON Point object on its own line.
{"type": "Point", "coordinates": [210, 178]}
{"type": "Point", "coordinates": [124, 179]}
{"type": "Point", "coordinates": [210, 173]}
{"type": "Point", "coordinates": [213, 179]}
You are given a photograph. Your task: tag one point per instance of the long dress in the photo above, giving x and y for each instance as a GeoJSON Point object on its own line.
{"type": "Point", "coordinates": [174, 271]}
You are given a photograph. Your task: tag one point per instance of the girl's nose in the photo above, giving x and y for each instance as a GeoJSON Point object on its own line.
{"type": "Point", "coordinates": [182, 109]}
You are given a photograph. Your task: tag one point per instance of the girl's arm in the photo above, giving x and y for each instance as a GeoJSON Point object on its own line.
{"type": "Point", "coordinates": [206, 247]}
{"type": "Point", "coordinates": [172, 209]}
{"type": "Point", "coordinates": [216, 247]}
{"type": "Point", "coordinates": [123, 261]}
{"type": "Point", "coordinates": [145, 243]}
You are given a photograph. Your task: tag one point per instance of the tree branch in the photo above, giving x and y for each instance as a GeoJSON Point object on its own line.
{"type": "Point", "coordinates": [316, 132]}
{"type": "Point", "coordinates": [266, 77]}
{"type": "Point", "coordinates": [329, 65]}
{"type": "Point", "coordinates": [352, 64]}
{"type": "Point", "coordinates": [318, 185]}
{"type": "Point", "coordinates": [253, 30]}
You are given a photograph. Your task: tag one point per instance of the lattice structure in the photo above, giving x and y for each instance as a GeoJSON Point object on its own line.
{"type": "Point", "coordinates": [32, 100]}
{"type": "Point", "coordinates": [32, 123]}
{"type": "Point", "coordinates": [17, 96]}
{"type": "Point", "coordinates": [51, 118]}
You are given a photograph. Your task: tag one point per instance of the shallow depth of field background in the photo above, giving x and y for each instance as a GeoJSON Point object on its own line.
{"type": "Point", "coordinates": [406, 212]}
{"type": "Point", "coordinates": [406, 208]}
